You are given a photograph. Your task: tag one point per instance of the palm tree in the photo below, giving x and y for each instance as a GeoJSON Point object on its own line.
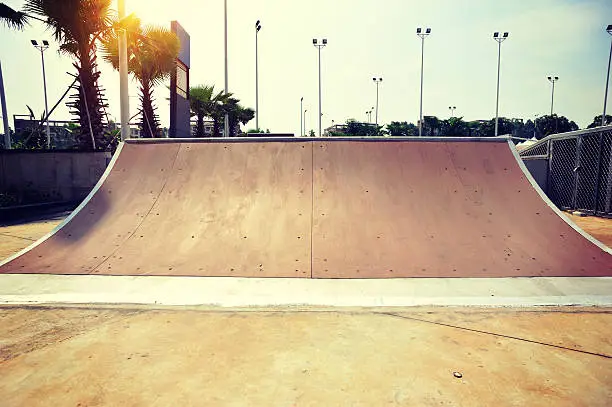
{"type": "Point", "coordinates": [78, 25]}
{"type": "Point", "coordinates": [237, 114]}
{"type": "Point", "coordinates": [152, 53]}
{"type": "Point", "coordinates": [205, 103]}
{"type": "Point", "coordinates": [12, 18]}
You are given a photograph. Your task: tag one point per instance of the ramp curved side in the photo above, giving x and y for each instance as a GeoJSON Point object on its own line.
{"type": "Point", "coordinates": [107, 217]}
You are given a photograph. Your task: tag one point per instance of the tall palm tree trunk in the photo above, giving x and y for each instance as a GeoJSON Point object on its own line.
{"type": "Point", "coordinates": [149, 124]}
{"type": "Point", "coordinates": [200, 127]}
{"type": "Point", "coordinates": [87, 104]}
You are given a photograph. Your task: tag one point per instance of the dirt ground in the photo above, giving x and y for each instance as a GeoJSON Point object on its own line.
{"type": "Point", "coordinates": [416, 357]}
{"type": "Point", "coordinates": [122, 356]}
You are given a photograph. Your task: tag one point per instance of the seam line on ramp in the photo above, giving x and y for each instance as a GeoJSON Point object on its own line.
{"type": "Point", "coordinates": [161, 190]}
{"type": "Point", "coordinates": [312, 203]}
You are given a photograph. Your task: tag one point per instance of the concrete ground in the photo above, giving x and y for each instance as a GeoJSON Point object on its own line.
{"type": "Point", "coordinates": [449, 356]}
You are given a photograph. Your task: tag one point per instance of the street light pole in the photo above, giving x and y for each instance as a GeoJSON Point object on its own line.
{"type": "Point", "coordinates": [422, 34]}
{"type": "Point", "coordinates": [315, 42]}
{"type": "Point", "coordinates": [257, 28]}
{"type": "Point", "coordinates": [226, 119]}
{"type": "Point", "coordinates": [552, 80]}
{"type": "Point", "coordinates": [499, 40]}
{"type": "Point", "coordinates": [603, 116]}
{"type": "Point", "coordinates": [42, 48]}
{"type": "Point", "coordinates": [301, 116]}
{"type": "Point", "coordinates": [305, 121]}
{"type": "Point", "coordinates": [5, 120]}
{"type": "Point", "coordinates": [377, 81]}
{"type": "Point", "coordinates": [452, 109]}
{"type": "Point", "coordinates": [124, 95]}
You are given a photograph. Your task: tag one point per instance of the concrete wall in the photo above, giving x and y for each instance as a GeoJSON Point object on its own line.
{"type": "Point", "coordinates": [28, 177]}
{"type": "Point", "coordinates": [539, 170]}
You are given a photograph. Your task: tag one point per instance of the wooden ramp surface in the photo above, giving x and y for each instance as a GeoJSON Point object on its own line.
{"type": "Point", "coordinates": [316, 208]}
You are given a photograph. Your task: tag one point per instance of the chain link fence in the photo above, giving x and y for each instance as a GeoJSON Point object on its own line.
{"type": "Point", "coordinates": [579, 169]}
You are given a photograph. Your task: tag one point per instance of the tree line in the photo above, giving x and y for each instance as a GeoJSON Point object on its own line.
{"type": "Point", "coordinates": [456, 127]}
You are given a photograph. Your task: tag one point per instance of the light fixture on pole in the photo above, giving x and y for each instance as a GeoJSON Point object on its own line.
{"type": "Point", "coordinates": [316, 43]}
{"type": "Point", "coordinates": [42, 48]}
{"type": "Point", "coordinates": [603, 116]}
{"type": "Point", "coordinates": [552, 79]}
{"type": "Point", "coordinates": [499, 39]}
{"type": "Point", "coordinates": [422, 34]}
{"type": "Point", "coordinates": [257, 28]}
{"type": "Point", "coordinates": [452, 109]}
{"type": "Point", "coordinates": [301, 116]}
{"type": "Point", "coordinates": [377, 81]}
{"type": "Point", "coordinates": [305, 110]}
{"type": "Point", "coordinates": [226, 118]}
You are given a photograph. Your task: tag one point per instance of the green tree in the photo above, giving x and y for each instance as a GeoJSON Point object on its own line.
{"type": "Point", "coordinates": [206, 103]}
{"type": "Point", "coordinates": [487, 128]}
{"type": "Point", "coordinates": [554, 124]}
{"type": "Point", "coordinates": [78, 25]}
{"type": "Point", "coordinates": [152, 53]}
{"type": "Point", "coordinates": [597, 121]}
{"type": "Point", "coordinates": [454, 127]}
{"type": "Point", "coordinates": [431, 126]}
{"type": "Point", "coordinates": [358, 129]}
{"type": "Point", "coordinates": [402, 129]}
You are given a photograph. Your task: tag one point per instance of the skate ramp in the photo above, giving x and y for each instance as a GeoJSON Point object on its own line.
{"type": "Point", "coordinates": [316, 208]}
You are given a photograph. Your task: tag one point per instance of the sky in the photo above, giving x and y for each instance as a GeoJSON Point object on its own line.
{"type": "Point", "coordinates": [366, 38]}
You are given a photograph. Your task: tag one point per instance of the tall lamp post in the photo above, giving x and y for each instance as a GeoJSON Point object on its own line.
{"type": "Point", "coordinates": [226, 119]}
{"type": "Point", "coordinates": [7, 133]}
{"type": "Point", "coordinates": [42, 48]}
{"type": "Point", "coordinates": [124, 93]}
{"type": "Point", "coordinates": [552, 80]}
{"type": "Point", "coordinates": [377, 81]}
{"type": "Point", "coordinates": [257, 28]}
{"type": "Point", "coordinates": [603, 116]}
{"type": "Point", "coordinates": [422, 34]}
{"type": "Point", "coordinates": [305, 110]}
{"type": "Point", "coordinates": [301, 116]}
{"type": "Point", "coordinates": [499, 40]}
{"type": "Point", "coordinates": [316, 43]}
{"type": "Point", "coordinates": [452, 109]}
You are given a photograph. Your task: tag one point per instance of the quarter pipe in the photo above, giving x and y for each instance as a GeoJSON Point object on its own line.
{"type": "Point", "coordinates": [316, 208]}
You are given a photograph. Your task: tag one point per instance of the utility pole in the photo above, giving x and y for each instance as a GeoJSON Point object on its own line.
{"type": "Point", "coordinates": [42, 48]}
{"type": "Point", "coordinates": [123, 77]}
{"type": "Point", "coordinates": [552, 79]}
{"type": "Point", "coordinates": [257, 28]}
{"type": "Point", "coordinates": [422, 35]}
{"type": "Point", "coordinates": [319, 46]}
{"type": "Point", "coordinates": [377, 81]}
{"type": "Point", "coordinates": [7, 131]}
{"type": "Point", "coordinates": [499, 40]}
{"type": "Point", "coordinates": [226, 119]}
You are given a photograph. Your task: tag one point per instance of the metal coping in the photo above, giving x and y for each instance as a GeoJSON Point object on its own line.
{"type": "Point", "coordinates": [314, 139]}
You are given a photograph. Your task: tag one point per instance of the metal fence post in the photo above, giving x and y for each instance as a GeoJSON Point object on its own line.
{"type": "Point", "coordinates": [576, 170]}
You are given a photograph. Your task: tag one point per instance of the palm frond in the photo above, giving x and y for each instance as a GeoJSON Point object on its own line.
{"type": "Point", "coordinates": [12, 18]}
